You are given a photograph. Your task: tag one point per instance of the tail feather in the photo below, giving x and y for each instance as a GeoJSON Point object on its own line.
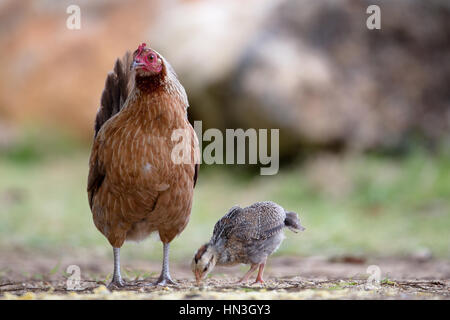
{"type": "Point", "coordinates": [117, 88]}
{"type": "Point", "coordinates": [292, 222]}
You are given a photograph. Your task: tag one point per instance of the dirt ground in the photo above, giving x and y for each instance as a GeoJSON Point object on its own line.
{"type": "Point", "coordinates": [29, 276]}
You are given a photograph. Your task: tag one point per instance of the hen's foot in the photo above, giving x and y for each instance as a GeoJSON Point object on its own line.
{"type": "Point", "coordinates": [164, 278]}
{"type": "Point", "coordinates": [165, 281]}
{"type": "Point", "coordinates": [116, 283]}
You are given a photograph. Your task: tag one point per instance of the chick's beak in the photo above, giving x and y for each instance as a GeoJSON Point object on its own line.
{"type": "Point", "coordinates": [198, 277]}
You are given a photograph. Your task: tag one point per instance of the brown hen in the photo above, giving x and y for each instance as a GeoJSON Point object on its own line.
{"type": "Point", "coordinates": [142, 169]}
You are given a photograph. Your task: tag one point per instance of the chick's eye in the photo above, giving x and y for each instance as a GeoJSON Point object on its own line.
{"type": "Point", "coordinates": [206, 268]}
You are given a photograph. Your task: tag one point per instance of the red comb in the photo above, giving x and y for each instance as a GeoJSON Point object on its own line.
{"type": "Point", "coordinates": [140, 48]}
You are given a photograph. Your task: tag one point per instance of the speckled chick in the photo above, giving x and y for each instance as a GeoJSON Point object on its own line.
{"type": "Point", "coordinates": [245, 235]}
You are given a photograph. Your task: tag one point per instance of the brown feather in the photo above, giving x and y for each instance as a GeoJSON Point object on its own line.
{"type": "Point", "coordinates": [134, 188]}
{"type": "Point", "coordinates": [117, 87]}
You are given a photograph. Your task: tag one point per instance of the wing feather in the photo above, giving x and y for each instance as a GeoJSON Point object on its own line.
{"type": "Point", "coordinates": [96, 175]}
{"type": "Point", "coordinates": [224, 228]}
{"type": "Point", "coordinates": [118, 85]}
{"type": "Point", "coordinates": [257, 222]}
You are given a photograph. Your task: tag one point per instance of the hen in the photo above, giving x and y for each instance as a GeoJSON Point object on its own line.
{"type": "Point", "coordinates": [245, 235]}
{"type": "Point", "coordinates": [137, 183]}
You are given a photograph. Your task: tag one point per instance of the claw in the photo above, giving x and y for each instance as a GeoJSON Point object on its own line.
{"type": "Point", "coordinates": [165, 281]}
{"type": "Point", "coordinates": [116, 283]}
{"type": "Point", "coordinates": [260, 281]}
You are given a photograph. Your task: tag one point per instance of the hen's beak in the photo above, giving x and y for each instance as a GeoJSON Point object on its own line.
{"type": "Point", "coordinates": [136, 64]}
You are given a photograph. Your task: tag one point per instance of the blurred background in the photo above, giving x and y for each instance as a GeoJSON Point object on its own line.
{"type": "Point", "coordinates": [364, 118]}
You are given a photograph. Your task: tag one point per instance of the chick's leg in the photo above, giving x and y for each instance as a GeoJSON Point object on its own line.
{"type": "Point", "coordinates": [117, 278]}
{"type": "Point", "coordinates": [164, 278]}
{"type": "Point", "coordinates": [248, 274]}
{"type": "Point", "coordinates": [259, 278]}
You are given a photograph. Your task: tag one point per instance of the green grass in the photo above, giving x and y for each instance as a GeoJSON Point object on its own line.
{"type": "Point", "coordinates": [353, 205]}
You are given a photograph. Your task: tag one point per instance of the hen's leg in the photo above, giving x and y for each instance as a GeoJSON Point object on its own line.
{"type": "Point", "coordinates": [248, 274]}
{"type": "Point", "coordinates": [164, 278]}
{"type": "Point", "coordinates": [117, 278]}
{"type": "Point", "coordinates": [259, 278]}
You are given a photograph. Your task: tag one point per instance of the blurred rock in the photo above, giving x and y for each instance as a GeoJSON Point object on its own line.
{"type": "Point", "coordinates": [348, 259]}
{"type": "Point", "coordinates": [311, 68]}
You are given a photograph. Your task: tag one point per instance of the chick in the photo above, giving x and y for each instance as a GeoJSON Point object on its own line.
{"type": "Point", "coordinates": [245, 235]}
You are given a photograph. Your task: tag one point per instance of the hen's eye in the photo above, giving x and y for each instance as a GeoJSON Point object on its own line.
{"type": "Point", "coordinates": [151, 57]}
{"type": "Point", "coordinates": [206, 268]}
